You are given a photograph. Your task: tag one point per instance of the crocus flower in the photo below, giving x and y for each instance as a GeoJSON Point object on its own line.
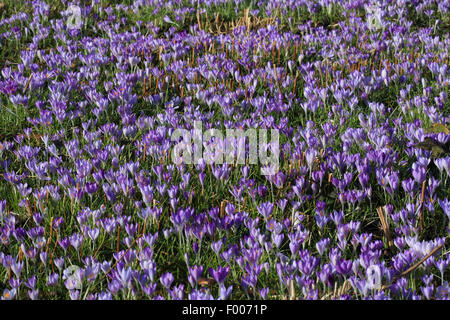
{"type": "Point", "coordinates": [265, 209]}
{"type": "Point", "coordinates": [8, 294]}
{"type": "Point", "coordinates": [219, 274]}
{"type": "Point", "coordinates": [224, 292]}
{"type": "Point", "coordinates": [166, 280]}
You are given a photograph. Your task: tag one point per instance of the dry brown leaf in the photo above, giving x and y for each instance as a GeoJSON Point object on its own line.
{"type": "Point", "coordinates": [291, 290]}
{"type": "Point", "coordinates": [204, 282]}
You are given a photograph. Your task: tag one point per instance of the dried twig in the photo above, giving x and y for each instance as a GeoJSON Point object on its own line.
{"type": "Point", "coordinates": [222, 208]}
{"type": "Point", "coordinates": [422, 195]}
{"type": "Point", "coordinates": [406, 272]}
{"type": "Point", "coordinates": [384, 224]}
{"type": "Point", "coordinates": [291, 290]}
{"type": "Point", "coordinates": [28, 83]}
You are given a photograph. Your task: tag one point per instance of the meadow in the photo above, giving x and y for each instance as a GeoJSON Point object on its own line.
{"type": "Point", "coordinates": [93, 205]}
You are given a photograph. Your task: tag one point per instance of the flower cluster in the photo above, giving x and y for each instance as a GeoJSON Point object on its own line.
{"type": "Point", "coordinates": [93, 207]}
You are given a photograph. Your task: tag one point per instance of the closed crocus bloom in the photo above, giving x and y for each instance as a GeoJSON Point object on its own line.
{"type": "Point", "coordinates": [321, 219]}
{"type": "Point", "coordinates": [17, 268]}
{"type": "Point", "coordinates": [445, 205]}
{"type": "Point", "coordinates": [443, 165]}
{"type": "Point", "coordinates": [325, 275]}
{"type": "Point", "coordinates": [216, 246]}
{"type": "Point", "coordinates": [277, 239]}
{"type": "Point", "coordinates": [90, 188]}
{"type": "Point", "coordinates": [344, 267]}
{"type": "Point", "coordinates": [74, 294]}
{"type": "Point", "coordinates": [418, 172]}
{"type": "Point", "coordinates": [167, 279]}
{"type": "Point", "coordinates": [408, 186]}
{"type": "Point", "coordinates": [265, 209]}
{"type": "Point", "coordinates": [219, 274]}
{"type": "Point", "coordinates": [52, 279]}
{"type": "Point", "coordinates": [33, 294]}
{"type": "Point", "coordinates": [194, 274]}
{"type": "Point", "coordinates": [428, 291]}
{"type": "Point", "coordinates": [322, 245]}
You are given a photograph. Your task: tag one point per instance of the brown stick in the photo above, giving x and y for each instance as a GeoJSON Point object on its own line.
{"type": "Point", "coordinates": [404, 273]}
{"type": "Point", "coordinates": [422, 195]}
{"type": "Point", "coordinates": [118, 237]}
{"type": "Point", "coordinates": [50, 236]}
{"type": "Point", "coordinates": [222, 208]}
{"type": "Point", "coordinates": [295, 82]}
{"type": "Point", "coordinates": [28, 83]}
{"type": "Point", "coordinates": [144, 88]}
{"type": "Point", "coordinates": [54, 248]}
{"type": "Point", "coordinates": [385, 227]}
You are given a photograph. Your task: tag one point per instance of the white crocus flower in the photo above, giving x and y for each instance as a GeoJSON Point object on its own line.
{"type": "Point", "coordinates": [374, 17]}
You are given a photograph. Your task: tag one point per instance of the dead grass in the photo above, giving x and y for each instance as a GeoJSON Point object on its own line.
{"type": "Point", "coordinates": [220, 25]}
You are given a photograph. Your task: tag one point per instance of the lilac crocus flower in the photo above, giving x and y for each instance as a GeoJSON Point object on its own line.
{"type": "Point", "coordinates": [31, 282]}
{"type": "Point", "coordinates": [177, 293]}
{"type": "Point", "coordinates": [344, 267]}
{"type": "Point", "coordinates": [224, 293]}
{"type": "Point", "coordinates": [8, 294]}
{"type": "Point", "coordinates": [74, 294]}
{"type": "Point", "coordinates": [75, 240]}
{"type": "Point", "coordinates": [277, 239]}
{"type": "Point", "coordinates": [33, 294]}
{"type": "Point", "coordinates": [265, 209]}
{"type": "Point", "coordinates": [52, 279]}
{"type": "Point", "coordinates": [216, 246]}
{"type": "Point", "coordinates": [445, 205]}
{"type": "Point", "coordinates": [166, 280]}
{"type": "Point", "coordinates": [219, 274]}
{"type": "Point", "coordinates": [194, 273]}
{"type": "Point", "coordinates": [418, 172]}
{"type": "Point", "coordinates": [322, 245]}
{"type": "Point", "coordinates": [17, 268]}
{"type": "Point", "coordinates": [263, 293]}
{"type": "Point", "coordinates": [428, 291]}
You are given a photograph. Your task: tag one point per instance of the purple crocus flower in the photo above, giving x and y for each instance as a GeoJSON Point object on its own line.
{"type": "Point", "coordinates": [265, 209]}
{"type": "Point", "coordinates": [114, 286]}
{"type": "Point", "coordinates": [74, 294]}
{"type": "Point", "coordinates": [75, 240]}
{"type": "Point", "coordinates": [418, 172]}
{"type": "Point", "coordinates": [53, 279]}
{"type": "Point", "coordinates": [17, 268]}
{"type": "Point", "coordinates": [277, 239]}
{"type": "Point", "coordinates": [59, 263]}
{"type": "Point", "coordinates": [33, 294]}
{"type": "Point", "coordinates": [194, 273]}
{"type": "Point", "coordinates": [428, 291]}
{"type": "Point", "coordinates": [219, 274]}
{"type": "Point", "coordinates": [15, 283]}
{"type": "Point", "coordinates": [344, 267]}
{"type": "Point", "coordinates": [216, 246]}
{"type": "Point", "coordinates": [321, 219]}
{"type": "Point", "coordinates": [166, 280]}
{"type": "Point", "coordinates": [263, 293]}
{"type": "Point", "coordinates": [8, 294]}
{"type": "Point", "coordinates": [224, 293]}
{"type": "Point", "coordinates": [200, 295]}
{"type": "Point", "coordinates": [322, 245]}
{"type": "Point", "coordinates": [149, 289]}
{"type": "Point", "coordinates": [31, 282]}
{"type": "Point", "coordinates": [445, 205]}
{"type": "Point", "coordinates": [64, 243]}
{"type": "Point", "coordinates": [325, 275]}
